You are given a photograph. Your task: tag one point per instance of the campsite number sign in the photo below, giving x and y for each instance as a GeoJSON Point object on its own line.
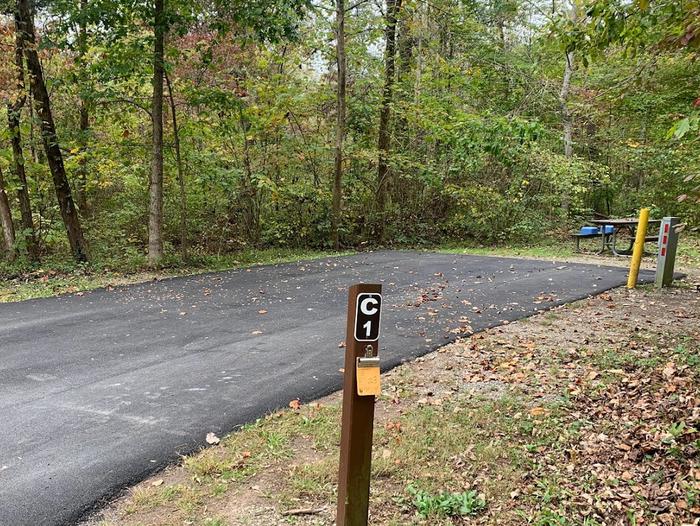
{"type": "Point", "coordinates": [367, 317]}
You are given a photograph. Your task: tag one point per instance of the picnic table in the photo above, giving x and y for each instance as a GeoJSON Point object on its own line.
{"type": "Point", "coordinates": [623, 229]}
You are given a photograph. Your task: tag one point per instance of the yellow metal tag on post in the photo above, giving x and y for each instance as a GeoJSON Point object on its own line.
{"type": "Point", "coordinates": [368, 377]}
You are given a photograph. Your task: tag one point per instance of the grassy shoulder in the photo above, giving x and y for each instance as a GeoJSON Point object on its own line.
{"type": "Point", "coordinates": [584, 415]}
{"type": "Point", "coordinates": [688, 256]}
{"type": "Point", "coordinates": [21, 282]}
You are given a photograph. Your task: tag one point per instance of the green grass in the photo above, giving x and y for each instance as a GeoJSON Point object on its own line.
{"type": "Point", "coordinates": [211, 473]}
{"type": "Point", "coordinates": [315, 480]}
{"type": "Point", "coordinates": [548, 249]}
{"type": "Point", "coordinates": [419, 471]}
{"type": "Point", "coordinates": [688, 250]}
{"type": "Point", "coordinates": [689, 352]}
{"type": "Point", "coordinates": [21, 281]}
{"type": "Point", "coordinates": [447, 504]}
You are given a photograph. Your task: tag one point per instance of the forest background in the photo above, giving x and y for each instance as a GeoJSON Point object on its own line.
{"type": "Point", "coordinates": [137, 133]}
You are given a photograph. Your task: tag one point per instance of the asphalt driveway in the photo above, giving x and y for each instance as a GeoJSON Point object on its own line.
{"type": "Point", "coordinates": [98, 391]}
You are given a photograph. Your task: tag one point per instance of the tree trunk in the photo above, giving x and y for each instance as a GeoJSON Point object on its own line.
{"type": "Point", "coordinates": [422, 21]}
{"type": "Point", "coordinates": [567, 120]}
{"type": "Point", "coordinates": [84, 114]}
{"type": "Point", "coordinates": [572, 12]}
{"type": "Point", "coordinates": [180, 170]}
{"type": "Point", "coordinates": [14, 111]}
{"type": "Point", "coordinates": [48, 133]}
{"type": "Point", "coordinates": [384, 143]}
{"type": "Point", "coordinates": [8, 229]}
{"type": "Point", "coordinates": [155, 209]}
{"type": "Point", "coordinates": [82, 163]}
{"type": "Point", "coordinates": [249, 192]}
{"type": "Point", "coordinates": [405, 42]}
{"type": "Point", "coordinates": [341, 122]}
{"type": "Point", "coordinates": [32, 140]}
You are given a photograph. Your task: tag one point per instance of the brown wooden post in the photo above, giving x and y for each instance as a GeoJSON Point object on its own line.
{"type": "Point", "coordinates": [358, 421]}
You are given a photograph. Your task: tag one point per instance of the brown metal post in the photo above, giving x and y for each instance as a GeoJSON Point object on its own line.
{"type": "Point", "coordinates": [358, 421]}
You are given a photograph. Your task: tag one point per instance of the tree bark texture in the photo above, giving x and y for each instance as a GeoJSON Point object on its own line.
{"type": "Point", "coordinates": [384, 143]}
{"type": "Point", "coordinates": [49, 136]}
{"type": "Point", "coordinates": [567, 118]}
{"type": "Point", "coordinates": [14, 111]}
{"type": "Point", "coordinates": [84, 115]}
{"type": "Point", "coordinates": [567, 121]}
{"type": "Point", "coordinates": [249, 191]}
{"type": "Point", "coordinates": [155, 208]}
{"type": "Point", "coordinates": [8, 229]}
{"type": "Point", "coordinates": [341, 122]}
{"type": "Point", "coordinates": [405, 42]}
{"type": "Point", "coordinates": [180, 169]}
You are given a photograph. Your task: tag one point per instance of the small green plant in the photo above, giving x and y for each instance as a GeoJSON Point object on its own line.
{"type": "Point", "coordinates": [678, 429]}
{"type": "Point", "coordinates": [275, 442]}
{"type": "Point", "coordinates": [220, 489]}
{"type": "Point", "coordinates": [447, 504]}
{"type": "Point", "coordinates": [548, 491]}
{"type": "Point", "coordinates": [689, 356]}
{"type": "Point", "coordinates": [551, 518]}
{"type": "Point", "coordinates": [692, 496]}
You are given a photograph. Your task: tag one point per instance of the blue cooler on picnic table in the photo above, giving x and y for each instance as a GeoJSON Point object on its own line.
{"type": "Point", "coordinates": [594, 230]}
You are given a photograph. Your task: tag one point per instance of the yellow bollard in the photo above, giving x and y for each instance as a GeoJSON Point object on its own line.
{"type": "Point", "coordinates": [638, 248]}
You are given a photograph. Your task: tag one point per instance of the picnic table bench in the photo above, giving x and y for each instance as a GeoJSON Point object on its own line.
{"type": "Point", "coordinates": [614, 231]}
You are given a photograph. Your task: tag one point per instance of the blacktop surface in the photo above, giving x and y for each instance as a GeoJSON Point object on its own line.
{"type": "Point", "coordinates": [99, 390]}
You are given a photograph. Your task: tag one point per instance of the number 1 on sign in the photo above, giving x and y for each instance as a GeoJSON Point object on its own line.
{"type": "Point", "coordinates": [367, 315]}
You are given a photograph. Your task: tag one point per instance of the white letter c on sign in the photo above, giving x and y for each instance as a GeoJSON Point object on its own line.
{"type": "Point", "coordinates": [364, 306]}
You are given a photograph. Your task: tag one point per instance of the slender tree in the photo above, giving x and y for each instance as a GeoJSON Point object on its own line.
{"type": "Point", "coordinates": [155, 209]}
{"type": "Point", "coordinates": [341, 124]}
{"type": "Point", "coordinates": [383, 171]}
{"type": "Point", "coordinates": [249, 191]}
{"type": "Point", "coordinates": [8, 229]}
{"type": "Point", "coordinates": [405, 44]}
{"type": "Point", "coordinates": [180, 168]}
{"type": "Point", "coordinates": [567, 118]}
{"type": "Point", "coordinates": [49, 136]}
{"type": "Point", "coordinates": [566, 114]}
{"type": "Point", "coordinates": [84, 125]}
{"type": "Point", "coordinates": [14, 111]}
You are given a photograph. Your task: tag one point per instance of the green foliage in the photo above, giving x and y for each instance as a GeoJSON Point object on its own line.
{"type": "Point", "coordinates": [551, 518]}
{"type": "Point", "coordinates": [447, 504]}
{"type": "Point", "coordinates": [476, 126]}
